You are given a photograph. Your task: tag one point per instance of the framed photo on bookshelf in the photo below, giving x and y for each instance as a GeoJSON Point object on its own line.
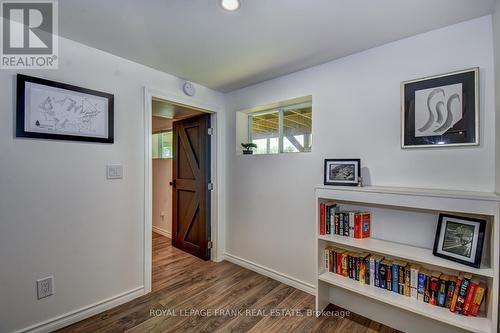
{"type": "Point", "coordinates": [460, 239]}
{"type": "Point", "coordinates": [441, 110]}
{"type": "Point", "coordinates": [58, 111]}
{"type": "Point", "coordinates": [342, 172]}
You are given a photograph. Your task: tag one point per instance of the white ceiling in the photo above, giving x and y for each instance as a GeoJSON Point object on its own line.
{"type": "Point", "coordinates": [198, 41]}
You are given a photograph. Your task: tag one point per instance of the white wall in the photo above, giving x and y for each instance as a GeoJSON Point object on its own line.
{"type": "Point", "coordinates": [356, 113]}
{"type": "Point", "coordinates": [162, 195]}
{"type": "Point", "coordinates": [496, 42]}
{"type": "Point", "coordinates": [59, 215]}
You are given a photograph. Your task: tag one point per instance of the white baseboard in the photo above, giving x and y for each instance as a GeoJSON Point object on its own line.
{"type": "Point", "coordinates": [83, 313]}
{"type": "Point", "coordinates": [281, 277]}
{"type": "Point", "coordinates": [163, 232]}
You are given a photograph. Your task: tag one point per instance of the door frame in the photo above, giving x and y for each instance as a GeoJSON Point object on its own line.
{"type": "Point", "coordinates": [217, 163]}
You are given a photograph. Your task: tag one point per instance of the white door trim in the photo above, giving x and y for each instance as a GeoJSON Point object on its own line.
{"type": "Point", "coordinates": [217, 178]}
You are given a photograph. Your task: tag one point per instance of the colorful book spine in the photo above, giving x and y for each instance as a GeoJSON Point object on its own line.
{"type": "Point", "coordinates": [458, 285]}
{"type": "Point", "coordinates": [442, 292]}
{"type": "Point", "coordinates": [462, 293]}
{"type": "Point", "coordinates": [339, 262]}
{"type": "Point", "coordinates": [327, 260]}
{"type": "Point", "coordinates": [331, 260]}
{"type": "Point", "coordinates": [356, 266]}
{"type": "Point", "coordinates": [360, 267]}
{"type": "Point", "coordinates": [367, 269]}
{"type": "Point", "coordinates": [366, 225]}
{"type": "Point", "coordinates": [333, 210]}
{"type": "Point", "coordinates": [352, 266]}
{"type": "Point", "coordinates": [349, 266]}
{"type": "Point", "coordinates": [327, 220]}
{"type": "Point", "coordinates": [357, 226]}
{"type": "Point", "coordinates": [351, 224]}
{"type": "Point", "coordinates": [346, 224]}
{"type": "Point", "coordinates": [478, 299]}
{"type": "Point", "coordinates": [427, 287]}
{"type": "Point", "coordinates": [388, 283]}
{"type": "Point", "coordinates": [345, 264]}
{"type": "Point", "coordinates": [337, 226]}
{"type": "Point", "coordinates": [414, 281]}
{"type": "Point", "coordinates": [395, 275]}
{"type": "Point", "coordinates": [382, 275]}
{"type": "Point", "coordinates": [372, 270]}
{"type": "Point", "coordinates": [401, 278]}
{"type": "Point", "coordinates": [434, 287]}
{"type": "Point", "coordinates": [471, 293]}
{"type": "Point", "coordinates": [377, 272]}
{"type": "Point", "coordinates": [421, 285]}
{"type": "Point", "coordinates": [322, 212]}
{"type": "Point", "coordinates": [341, 224]}
{"type": "Point", "coordinates": [452, 283]}
{"type": "Point", "coordinates": [407, 281]}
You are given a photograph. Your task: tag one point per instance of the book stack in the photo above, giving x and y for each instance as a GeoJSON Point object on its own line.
{"type": "Point", "coordinates": [462, 294]}
{"type": "Point", "coordinates": [353, 224]}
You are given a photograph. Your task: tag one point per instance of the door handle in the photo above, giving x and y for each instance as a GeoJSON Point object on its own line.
{"type": "Point", "coordinates": [172, 183]}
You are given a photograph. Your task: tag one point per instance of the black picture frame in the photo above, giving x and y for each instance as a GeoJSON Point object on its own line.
{"type": "Point", "coordinates": [430, 110]}
{"type": "Point", "coordinates": [355, 162]}
{"type": "Point", "coordinates": [21, 110]}
{"type": "Point", "coordinates": [439, 250]}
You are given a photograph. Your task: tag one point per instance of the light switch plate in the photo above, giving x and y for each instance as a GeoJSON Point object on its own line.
{"type": "Point", "coordinates": [114, 171]}
{"type": "Point", "coordinates": [45, 287]}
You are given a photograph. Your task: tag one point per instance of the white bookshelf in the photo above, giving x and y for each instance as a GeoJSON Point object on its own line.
{"type": "Point", "coordinates": [403, 227]}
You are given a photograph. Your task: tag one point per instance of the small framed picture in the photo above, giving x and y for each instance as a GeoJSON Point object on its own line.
{"type": "Point", "coordinates": [342, 172]}
{"type": "Point", "coordinates": [59, 111]}
{"type": "Point", "coordinates": [460, 239]}
{"type": "Point", "coordinates": [441, 110]}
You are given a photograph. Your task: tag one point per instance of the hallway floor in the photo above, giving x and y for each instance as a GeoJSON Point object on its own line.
{"type": "Point", "coordinates": [192, 295]}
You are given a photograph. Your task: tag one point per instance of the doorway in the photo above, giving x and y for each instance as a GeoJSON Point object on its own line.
{"type": "Point", "coordinates": [181, 175]}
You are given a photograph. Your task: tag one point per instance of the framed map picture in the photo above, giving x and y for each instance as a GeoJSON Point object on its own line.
{"type": "Point", "coordinates": [442, 110]}
{"type": "Point", "coordinates": [52, 110]}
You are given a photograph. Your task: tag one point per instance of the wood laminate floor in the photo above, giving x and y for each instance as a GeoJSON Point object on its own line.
{"type": "Point", "coordinates": [192, 295]}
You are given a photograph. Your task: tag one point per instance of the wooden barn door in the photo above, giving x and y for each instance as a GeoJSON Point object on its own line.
{"type": "Point", "coordinates": [191, 178]}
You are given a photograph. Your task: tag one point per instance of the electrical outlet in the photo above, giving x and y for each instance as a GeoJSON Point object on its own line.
{"type": "Point", "coordinates": [45, 287]}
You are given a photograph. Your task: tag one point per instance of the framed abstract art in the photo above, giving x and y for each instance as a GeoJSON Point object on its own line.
{"type": "Point", "coordinates": [441, 110]}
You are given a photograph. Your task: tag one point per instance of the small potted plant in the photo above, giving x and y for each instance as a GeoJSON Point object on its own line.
{"type": "Point", "coordinates": [248, 148]}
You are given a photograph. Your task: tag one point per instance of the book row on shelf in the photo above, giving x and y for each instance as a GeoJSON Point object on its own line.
{"type": "Point", "coordinates": [353, 224]}
{"type": "Point", "coordinates": [463, 294]}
